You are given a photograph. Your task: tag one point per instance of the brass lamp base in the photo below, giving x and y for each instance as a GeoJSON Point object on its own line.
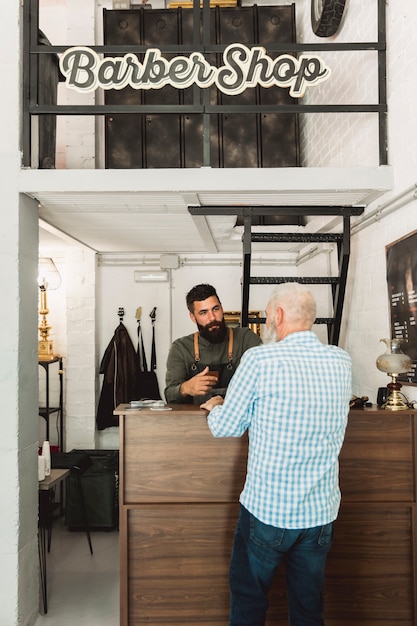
{"type": "Point", "coordinates": [45, 350]}
{"type": "Point", "coordinates": [394, 401]}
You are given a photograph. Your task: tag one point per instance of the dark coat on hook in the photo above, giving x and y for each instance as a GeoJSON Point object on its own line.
{"type": "Point", "coordinates": [120, 369]}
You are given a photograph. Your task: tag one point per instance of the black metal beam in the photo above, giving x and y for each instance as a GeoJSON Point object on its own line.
{"type": "Point", "coordinates": [244, 211]}
{"type": "Point", "coordinates": [296, 237]}
{"type": "Point", "coordinates": [246, 270]}
{"type": "Point", "coordinates": [382, 85]}
{"type": "Point", "coordinates": [340, 288]}
{"type": "Point", "coordinates": [305, 280]}
{"type": "Point", "coordinates": [211, 48]}
{"type": "Point", "coordinates": [318, 320]}
{"type": "Point", "coordinates": [108, 109]}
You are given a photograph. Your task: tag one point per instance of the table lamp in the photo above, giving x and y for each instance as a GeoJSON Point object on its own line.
{"type": "Point", "coordinates": [394, 362]}
{"type": "Point", "coordinates": [48, 278]}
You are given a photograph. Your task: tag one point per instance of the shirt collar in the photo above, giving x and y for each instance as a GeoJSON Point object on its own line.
{"type": "Point", "coordinates": [300, 336]}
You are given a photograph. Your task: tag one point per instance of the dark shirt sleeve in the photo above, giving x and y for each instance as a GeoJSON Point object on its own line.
{"type": "Point", "coordinates": [249, 339]}
{"type": "Point", "coordinates": [176, 373]}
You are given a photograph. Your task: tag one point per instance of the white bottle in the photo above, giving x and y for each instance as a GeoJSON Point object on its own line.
{"type": "Point", "coordinates": [41, 467]}
{"type": "Point", "coordinates": [46, 452]}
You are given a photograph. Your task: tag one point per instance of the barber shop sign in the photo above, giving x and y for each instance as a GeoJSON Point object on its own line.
{"type": "Point", "coordinates": [242, 68]}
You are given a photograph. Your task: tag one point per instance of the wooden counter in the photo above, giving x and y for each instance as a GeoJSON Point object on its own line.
{"type": "Point", "coordinates": [179, 490]}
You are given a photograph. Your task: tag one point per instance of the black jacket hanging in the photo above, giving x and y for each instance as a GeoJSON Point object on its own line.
{"type": "Point", "coordinates": [147, 387]}
{"type": "Point", "coordinates": [120, 368]}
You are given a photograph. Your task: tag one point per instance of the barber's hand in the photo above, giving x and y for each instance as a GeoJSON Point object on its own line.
{"type": "Point", "coordinates": [198, 385]}
{"type": "Point", "coordinates": [212, 402]}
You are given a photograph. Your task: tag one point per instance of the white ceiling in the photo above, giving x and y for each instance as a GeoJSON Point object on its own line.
{"type": "Point", "coordinates": [146, 211]}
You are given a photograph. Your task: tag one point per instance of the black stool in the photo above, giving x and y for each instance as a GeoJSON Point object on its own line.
{"type": "Point", "coordinates": [77, 463]}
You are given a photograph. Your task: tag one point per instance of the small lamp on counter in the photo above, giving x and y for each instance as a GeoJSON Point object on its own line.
{"type": "Point", "coordinates": [394, 362]}
{"type": "Point", "coordinates": [48, 278]}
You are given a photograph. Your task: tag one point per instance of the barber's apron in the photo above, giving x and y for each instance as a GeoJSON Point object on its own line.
{"type": "Point", "coordinates": [226, 370]}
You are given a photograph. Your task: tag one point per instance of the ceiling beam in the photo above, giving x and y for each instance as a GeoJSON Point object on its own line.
{"type": "Point", "coordinates": [275, 210]}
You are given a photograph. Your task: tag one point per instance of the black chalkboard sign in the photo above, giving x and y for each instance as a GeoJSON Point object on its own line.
{"type": "Point", "coordinates": [402, 293]}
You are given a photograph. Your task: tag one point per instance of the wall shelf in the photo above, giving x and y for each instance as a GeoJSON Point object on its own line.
{"type": "Point", "coordinates": [47, 410]}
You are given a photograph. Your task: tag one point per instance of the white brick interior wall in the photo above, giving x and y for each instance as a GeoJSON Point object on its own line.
{"type": "Point", "coordinates": [71, 23]}
{"type": "Point", "coordinates": [344, 139]}
{"type": "Point", "coordinates": [366, 317]}
{"type": "Point", "coordinates": [81, 362]}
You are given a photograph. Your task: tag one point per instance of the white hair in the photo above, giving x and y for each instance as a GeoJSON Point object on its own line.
{"type": "Point", "coordinates": [296, 300]}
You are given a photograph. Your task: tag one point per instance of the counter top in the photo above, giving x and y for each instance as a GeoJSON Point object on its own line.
{"type": "Point", "coordinates": [126, 409]}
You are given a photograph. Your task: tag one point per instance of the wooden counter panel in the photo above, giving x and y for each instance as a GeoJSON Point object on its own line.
{"type": "Point", "coordinates": [178, 460]}
{"type": "Point", "coordinates": [178, 572]}
{"type": "Point", "coordinates": [376, 460]}
{"type": "Point", "coordinates": [179, 490]}
{"type": "Point", "coordinates": [378, 426]}
{"type": "Point", "coordinates": [371, 562]}
{"type": "Point", "coordinates": [341, 621]}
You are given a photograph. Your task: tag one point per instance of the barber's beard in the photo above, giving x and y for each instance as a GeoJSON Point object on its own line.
{"type": "Point", "coordinates": [214, 332]}
{"type": "Point", "coordinates": [270, 334]}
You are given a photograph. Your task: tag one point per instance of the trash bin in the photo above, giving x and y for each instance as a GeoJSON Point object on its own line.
{"type": "Point", "coordinates": [100, 488]}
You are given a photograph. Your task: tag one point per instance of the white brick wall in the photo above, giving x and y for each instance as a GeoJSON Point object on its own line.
{"type": "Point", "coordinates": [351, 139]}
{"type": "Point", "coordinates": [72, 22]}
{"type": "Point", "coordinates": [367, 318]}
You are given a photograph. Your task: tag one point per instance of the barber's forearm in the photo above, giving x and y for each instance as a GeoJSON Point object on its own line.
{"type": "Point", "coordinates": [173, 394]}
{"type": "Point", "coordinates": [184, 390]}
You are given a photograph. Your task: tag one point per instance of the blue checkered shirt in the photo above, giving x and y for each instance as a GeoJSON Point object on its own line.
{"type": "Point", "coordinates": [293, 397]}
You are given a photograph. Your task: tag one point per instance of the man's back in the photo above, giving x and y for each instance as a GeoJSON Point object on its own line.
{"type": "Point", "coordinates": [299, 392]}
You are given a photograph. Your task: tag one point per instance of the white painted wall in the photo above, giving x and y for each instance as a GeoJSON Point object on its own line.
{"type": "Point", "coordinates": [18, 364]}
{"type": "Point", "coordinates": [83, 325]}
{"type": "Point", "coordinates": [367, 311]}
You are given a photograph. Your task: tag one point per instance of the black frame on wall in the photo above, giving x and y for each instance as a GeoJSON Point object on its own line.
{"type": "Point", "coordinates": [401, 259]}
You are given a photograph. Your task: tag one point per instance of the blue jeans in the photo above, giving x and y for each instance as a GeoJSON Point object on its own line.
{"type": "Point", "coordinates": [258, 550]}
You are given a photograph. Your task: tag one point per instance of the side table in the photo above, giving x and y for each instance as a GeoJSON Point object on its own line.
{"type": "Point", "coordinates": [45, 523]}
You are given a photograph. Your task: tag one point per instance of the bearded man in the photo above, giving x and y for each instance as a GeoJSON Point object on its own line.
{"type": "Point", "coordinates": [202, 364]}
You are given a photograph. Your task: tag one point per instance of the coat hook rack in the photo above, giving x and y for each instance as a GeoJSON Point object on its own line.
{"type": "Point", "coordinates": [121, 313]}
{"type": "Point", "coordinates": [152, 314]}
{"type": "Point", "coordinates": [138, 313]}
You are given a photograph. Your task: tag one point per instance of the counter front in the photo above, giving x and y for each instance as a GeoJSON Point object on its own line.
{"type": "Point", "coordinates": [179, 492]}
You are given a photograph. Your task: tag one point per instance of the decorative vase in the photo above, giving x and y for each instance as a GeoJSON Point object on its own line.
{"type": "Point", "coordinates": [394, 362]}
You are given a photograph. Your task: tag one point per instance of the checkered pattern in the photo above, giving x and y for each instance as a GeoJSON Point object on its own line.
{"type": "Point", "coordinates": [293, 396]}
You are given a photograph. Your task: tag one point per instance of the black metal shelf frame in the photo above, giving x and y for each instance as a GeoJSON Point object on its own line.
{"type": "Point", "coordinates": [32, 50]}
{"type": "Point", "coordinates": [46, 411]}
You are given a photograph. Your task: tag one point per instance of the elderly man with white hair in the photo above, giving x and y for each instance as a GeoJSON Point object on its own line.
{"type": "Point", "coordinates": [292, 395]}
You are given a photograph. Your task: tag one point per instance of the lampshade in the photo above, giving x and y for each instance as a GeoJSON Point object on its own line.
{"type": "Point", "coordinates": [48, 275]}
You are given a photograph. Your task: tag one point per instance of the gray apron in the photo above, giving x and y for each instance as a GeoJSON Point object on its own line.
{"type": "Point", "coordinates": [226, 370]}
